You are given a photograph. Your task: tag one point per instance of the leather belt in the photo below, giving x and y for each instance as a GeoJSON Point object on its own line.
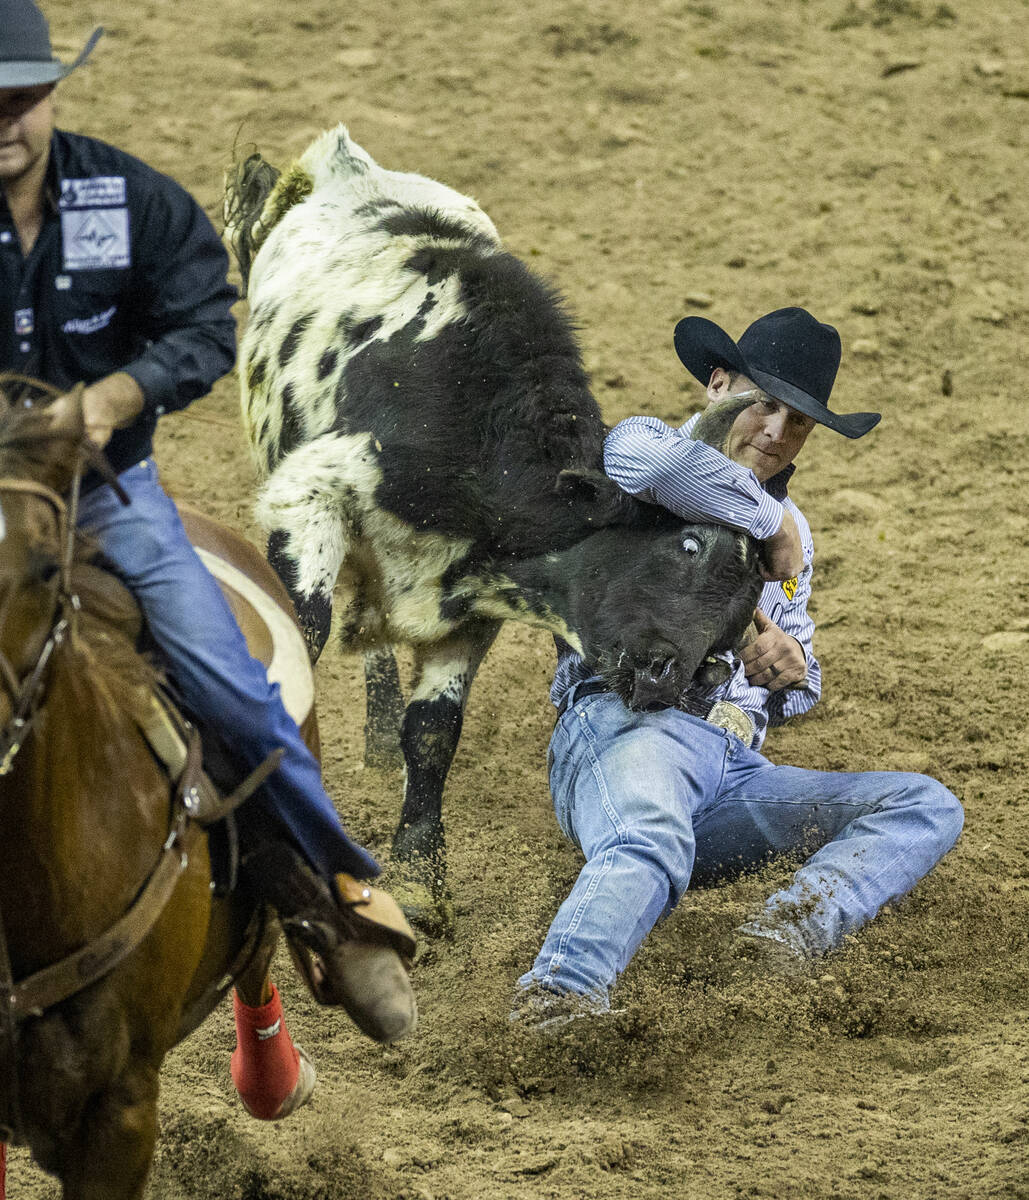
{"type": "Point", "coordinates": [723, 714]}
{"type": "Point", "coordinates": [592, 687]}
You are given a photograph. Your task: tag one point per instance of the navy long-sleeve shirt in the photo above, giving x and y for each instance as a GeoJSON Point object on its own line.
{"type": "Point", "coordinates": [127, 274]}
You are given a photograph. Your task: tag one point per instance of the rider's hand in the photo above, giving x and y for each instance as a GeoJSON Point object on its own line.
{"type": "Point", "coordinates": [110, 403]}
{"type": "Point", "coordinates": [782, 554]}
{"type": "Point", "coordinates": [774, 659]}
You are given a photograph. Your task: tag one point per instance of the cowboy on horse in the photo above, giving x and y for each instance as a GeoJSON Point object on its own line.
{"type": "Point", "coordinates": [112, 275]}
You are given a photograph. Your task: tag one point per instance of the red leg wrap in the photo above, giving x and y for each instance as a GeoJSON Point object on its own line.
{"type": "Point", "coordinates": [265, 1063]}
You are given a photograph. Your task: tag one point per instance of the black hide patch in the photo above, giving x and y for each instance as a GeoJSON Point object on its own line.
{"type": "Point", "coordinates": [327, 363]}
{"type": "Point", "coordinates": [361, 333]}
{"type": "Point", "coordinates": [256, 373]}
{"type": "Point", "coordinates": [432, 223]}
{"type": "Point", "coordinates": [292, 433]}
{"type": "Point", "coordinates": [476, 422]}
{"type": "Point", "coordinates": [292, 339]}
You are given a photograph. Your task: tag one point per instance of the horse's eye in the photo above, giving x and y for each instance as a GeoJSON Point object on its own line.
{"type": "Point", "coordinates": [691, 546]}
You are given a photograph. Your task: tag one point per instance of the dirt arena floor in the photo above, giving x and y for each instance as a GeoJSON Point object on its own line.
{"type": "Point", "coordinates": [866, 159]}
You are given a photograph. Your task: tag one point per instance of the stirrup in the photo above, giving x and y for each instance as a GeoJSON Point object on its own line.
{"type": "Point", "coordinates": [376, 915]}
{"type": "Point", "coordinates": [372, 916]}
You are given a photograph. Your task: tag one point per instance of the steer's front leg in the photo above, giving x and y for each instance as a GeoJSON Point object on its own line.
{"type": "Point", "coordinates": [429, 737]}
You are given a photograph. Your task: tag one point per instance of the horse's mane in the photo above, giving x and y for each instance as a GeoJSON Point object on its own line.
{"type": "Point", "coordinates": [98, 673]}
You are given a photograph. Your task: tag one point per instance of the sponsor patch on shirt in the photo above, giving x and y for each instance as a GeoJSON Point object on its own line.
{"type": "Point", "coordinates": [24, 320]}
{"type": "Point", "coordinates": [789, 586]}
{"type": "Point", "coordinates": [90, 324]}
{"type": "Point", "coordinates": [95, 238]}
{"type": "Point", "coordinates": [103, 191]}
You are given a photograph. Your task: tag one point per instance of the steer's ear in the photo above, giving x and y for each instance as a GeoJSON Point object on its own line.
{"type": "Point", "coordinates": [607, 502]}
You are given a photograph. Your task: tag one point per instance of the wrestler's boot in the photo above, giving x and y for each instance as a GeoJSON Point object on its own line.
{"type": "Point", "coordinates": [350, 942]}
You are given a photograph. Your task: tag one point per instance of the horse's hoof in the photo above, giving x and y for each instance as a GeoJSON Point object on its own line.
{"type": "Point", "coordinates": [300, 1095]}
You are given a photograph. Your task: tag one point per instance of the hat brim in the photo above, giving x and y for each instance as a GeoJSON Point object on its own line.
{"type": "Point", "coordinates": [702, 345]}
{"type": "Point", "coordinates": [32, 73]}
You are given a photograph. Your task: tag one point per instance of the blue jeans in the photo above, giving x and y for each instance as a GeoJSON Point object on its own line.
{"type": "Point", "coordinates": [207, 657]}
{"type": "Point", "coordinates": [654, 800]}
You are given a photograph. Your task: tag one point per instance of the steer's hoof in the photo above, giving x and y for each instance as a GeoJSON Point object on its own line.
{"type": "Point", "coordinates": [429, 909]}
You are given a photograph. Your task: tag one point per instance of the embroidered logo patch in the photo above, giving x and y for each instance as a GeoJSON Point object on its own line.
{"type": "Point", "coordinates": [95, 238]}
{"type": "Point", "coordinates": [24, 321]}
{"type": "Point", "coordinates": [90, 324]}
{"type": "Point", "coordinates": [103, 191]}
{"type": "Point", "coordinates": [789, 586]}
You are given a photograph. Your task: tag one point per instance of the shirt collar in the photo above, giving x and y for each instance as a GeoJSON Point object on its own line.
{"type": "Point", "coordinates": [54, 174]}
{"type": "Point", "coordinates": [776, 486]}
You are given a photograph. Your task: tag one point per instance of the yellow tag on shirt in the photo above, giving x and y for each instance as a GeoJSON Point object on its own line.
{"type": "Point", "coordinates": [789, 586]}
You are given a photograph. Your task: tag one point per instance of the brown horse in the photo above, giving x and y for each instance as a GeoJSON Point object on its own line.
{"type": "Point", "coordinates": [113, 944]}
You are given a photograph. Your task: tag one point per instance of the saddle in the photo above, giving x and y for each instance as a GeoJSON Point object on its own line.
{"type": "Point", "coordinates": [272, 637]}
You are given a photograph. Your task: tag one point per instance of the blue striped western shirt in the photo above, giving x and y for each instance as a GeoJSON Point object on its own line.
{"type": "Point", "coordinates": [662, 465]}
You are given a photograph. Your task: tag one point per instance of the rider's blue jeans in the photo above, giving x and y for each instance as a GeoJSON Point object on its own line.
{"type": "Point", "coordinates": [206, 655]}
{"type": "Point", "coordinates": [657, 799]}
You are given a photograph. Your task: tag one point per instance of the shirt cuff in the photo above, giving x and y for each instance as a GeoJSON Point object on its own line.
{"type": "Point", "coordinates": [158, 386]}
{"type": "Point", "coordinates": [768, 519]}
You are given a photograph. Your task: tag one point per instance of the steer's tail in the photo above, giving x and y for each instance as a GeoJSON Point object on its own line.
{"type": "Point", "coordinates": [256, 197]}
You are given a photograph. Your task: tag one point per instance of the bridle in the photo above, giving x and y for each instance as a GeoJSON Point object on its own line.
{"type": "Point", "coordinates": [24, 693]}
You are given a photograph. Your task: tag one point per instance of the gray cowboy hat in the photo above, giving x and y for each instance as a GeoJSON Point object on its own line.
{"type": "Point", "coordinates": [788, 354]}
{"type": "Point", "coordinates": [26, 57]}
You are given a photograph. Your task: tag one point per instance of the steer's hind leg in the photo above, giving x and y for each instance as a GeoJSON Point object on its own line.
{"type": "Point", "coordinates": [384, 711]}
{"type": "Point", "coordinates": [429, 736]}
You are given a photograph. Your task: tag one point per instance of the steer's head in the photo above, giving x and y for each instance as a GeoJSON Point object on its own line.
{"type": "Point", "coordinates": [650, 605]}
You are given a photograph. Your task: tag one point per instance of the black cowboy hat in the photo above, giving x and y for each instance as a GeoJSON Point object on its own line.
{"type": "Point", "coordinates": [26, 57]}
{"type": "Point", "coordinates": [787, 353]}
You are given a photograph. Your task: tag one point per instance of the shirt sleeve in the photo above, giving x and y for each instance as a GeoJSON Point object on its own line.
{"type": "Point", "coordinates": [185, 301]}
{"type": "Point", "coordinates": [794, 619]}
{"type": "Point", "coordinates": [662, 465]}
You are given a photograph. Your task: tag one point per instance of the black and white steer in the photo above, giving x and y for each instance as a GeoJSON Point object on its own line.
{"type": "Point", "coordinates": [416, 401]}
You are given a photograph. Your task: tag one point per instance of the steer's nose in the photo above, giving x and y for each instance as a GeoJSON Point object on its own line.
{"type": "Point", "coordinates": [654, 687]}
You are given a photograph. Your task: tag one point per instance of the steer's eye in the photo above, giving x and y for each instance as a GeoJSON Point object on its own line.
{"type": "Point", "coordinates": [691, 546]}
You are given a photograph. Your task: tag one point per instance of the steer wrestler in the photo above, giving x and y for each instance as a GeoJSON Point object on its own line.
{"type": "Point", "coordinates": [655, 799]}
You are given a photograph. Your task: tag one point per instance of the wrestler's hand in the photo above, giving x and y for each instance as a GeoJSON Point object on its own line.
{"type": "Point", "coordinates": [774, 659]}
{"type": "Point", "coordinates": [782, 554]}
